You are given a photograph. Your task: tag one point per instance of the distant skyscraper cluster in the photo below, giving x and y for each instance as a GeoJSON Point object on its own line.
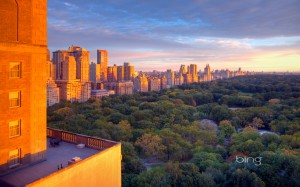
{"type": "Point", "coordinates": [72, 77]}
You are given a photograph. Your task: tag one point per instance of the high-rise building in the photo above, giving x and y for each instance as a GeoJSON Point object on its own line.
{"type": "Point", "coordinates": [112, 73]}
{"type": "Point", "coordinates": [163, 82]}
{"type": "Point", "coordinates": [51, 70]}
{"type": "Point", "coordinates": [102, 59]}
{"type": "Point", "coordinates": [52, 92]}
{"type": "Point", "coordinates": [120, 73]}
{"type": "Point", "coordinates": [128, 71]}
{"type": "Point", "coordinates": [52, 89]}
{"type": "Point", "coordinates": [82, 58]}
{"type": "Point", "coordinates": [73, 73]}
{"type": "Point", "coordinates": [183, 69]}
{"type": "Point", "coordinates": [68, 69]}
{"type": "Point", "coordinates": [177, 80]}
{"type": "Point", "coordinates": [188, 78]}
{"type": "Point", "coordinates": [142, 83]}
{"type": "Point", "coordinates": [207, 73]}
{"type": "Point", "coordinates": [154, 84]}
{"type": "Point", "coordinates": [170, 78]}
{"type": "Point", "coordinates": [193, 72]}
{"type": "Point", "coordinates": [23, 67]}
{"type": "Point", "coordinates": [124, 88]}
{"type": "Point", "coordinates": [80, 160]}
{"type": "Point", "coordinates": [95, 70]}
{"type": "Point", "coordinates": [58, 57]}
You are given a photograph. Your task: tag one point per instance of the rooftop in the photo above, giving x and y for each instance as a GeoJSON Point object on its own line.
{"type": "Point", "coordinates": [57, 156]}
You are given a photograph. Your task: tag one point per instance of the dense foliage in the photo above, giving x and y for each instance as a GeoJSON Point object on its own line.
{"type": "Point", "coordinates": [173, 127]}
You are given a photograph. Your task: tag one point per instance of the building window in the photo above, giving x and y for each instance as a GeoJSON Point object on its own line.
{"type": "Point", "coordinates": [14, 158]}
{"type": "Point", "coordinates": [14, 99]}
{"type": "Point", "coordinates": [15, 70]}
{"type": "Point", "coordinates": [14, 128]}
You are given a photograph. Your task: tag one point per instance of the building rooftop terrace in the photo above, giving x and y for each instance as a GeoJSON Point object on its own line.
{"type": "Point", "coordinates": [57, 156]}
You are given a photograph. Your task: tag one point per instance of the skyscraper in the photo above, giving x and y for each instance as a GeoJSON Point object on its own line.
{"type": "Point", "coordinates": [120, 73]}
{"type": "Point", "coordinates": [112, 73]}
{"type": "Point", "coordinates": [52, 89]}
{"type": "Point", "coordinates": [82, 58]}
{"type": "Point", "coordinates": [163, 82]}
{"type": "Point", "coordinates": [142, 83]}
{"type": "Point", "coordinates": [154, 84]}
{"type": "Point", "coordinates": [73, 73]}
{"type": "Point", "coordinates": [128, 71]}
{"type": "Point", "coordinates": [193, 72]}
{"type": "Point", "coordinates": [207, 73]}
{"type": "Point", "coordinates": [58, 57]}
{"type": "Point", "coordinates": [95, 72]}
{"type": "Point", "coordinates": [183, 69]}
{"type": "Point", "coordinates": [102, 59]}
{"type": "Point", "coordinates": [170, 78]}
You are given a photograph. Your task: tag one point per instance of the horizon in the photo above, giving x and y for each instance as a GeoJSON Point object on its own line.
{"type": "Point", "coordinates": [256, 36]}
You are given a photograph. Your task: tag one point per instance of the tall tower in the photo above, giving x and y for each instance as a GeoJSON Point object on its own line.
{"type": "Point", "coordinates": [82, 58]}
{"type": "Point", "coordinates": [120, 73]}
{"type": "Point", "coordinates": [112, 72]}
{"type": "Point", "coordinates": [183, 69]}
{"type": "Point", "coordinates": [102, 59]}
{"type": "Point", "coordinates": [207, 73]}
{"type": "Point", "coordinates": [69, 68]}
{"type": "Point", "coordinates": [95, 72]}
{"type": "Point", "coordinates": [23, 67]}
{"type": "Point", "coordinates": [128, 71]}
{"type": "Point", "coordinates": [170, 78]}
{"type": "Point", "coordinates": [58, 57]}
{"type": "Point", "coordinates": [142, 83]}
{"type": "Point", "coordinates": [193, 71]}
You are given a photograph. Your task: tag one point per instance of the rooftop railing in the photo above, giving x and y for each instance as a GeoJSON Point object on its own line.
{"type": "Point", "coordinates": [91, 142]}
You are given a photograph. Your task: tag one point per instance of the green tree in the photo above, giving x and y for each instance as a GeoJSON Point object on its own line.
{"type": "Point", "coordinates": [122, 131]}
{"type": "Point", "coordinates": [154, 177]}
{"type": "Point", "coordinates": [176, 147]}
{"type": "Point", "coordinates": [257, 123]}
{"type": "Point", "coordinates": [204, 160]}
{"type": "Point", "coordinates": [244, 178]}
{"type": "Point", "coordinates": [226, 128]}
{"type": "Point", "coordinates": [220, 112]}
{"type": "Point", "coordinates": [151, 145]}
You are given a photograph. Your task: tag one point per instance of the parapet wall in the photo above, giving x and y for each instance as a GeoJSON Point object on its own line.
{"type": "Point", "coordinates": [102, 169]}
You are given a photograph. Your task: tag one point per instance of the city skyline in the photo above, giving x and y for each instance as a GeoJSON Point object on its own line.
{"type": "Point", "coordinates": [254, 35]}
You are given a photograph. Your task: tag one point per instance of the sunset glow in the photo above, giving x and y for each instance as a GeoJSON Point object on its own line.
{"type": "Point", "coordinates": [257, 36]}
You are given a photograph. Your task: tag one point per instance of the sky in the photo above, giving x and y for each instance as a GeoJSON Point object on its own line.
{"type": "Point", "coordinates": [256, 35]}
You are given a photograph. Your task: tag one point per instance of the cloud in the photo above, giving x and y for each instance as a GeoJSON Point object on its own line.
{"type": "Point", "coordinates": [166, 32]}
{"type": "Point", "coordinates": [222, 42]}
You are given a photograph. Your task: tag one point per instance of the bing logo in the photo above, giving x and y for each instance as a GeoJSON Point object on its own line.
{"type": "Point", "coordinates": [242, 158]}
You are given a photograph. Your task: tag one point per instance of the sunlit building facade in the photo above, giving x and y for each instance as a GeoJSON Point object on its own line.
{"type": "Point", "coordinates": [80, 160]}
{"type": "Point", "coordinates": [102, 59]}
{"type": "Point", "coordinates": [95, 72]}
{"type": "Point", "coordinates": [154, 84]}
{"type": "Point", "coordinates": [128, 71]}
{"type": "Point", "coordinates": [23, 64]}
